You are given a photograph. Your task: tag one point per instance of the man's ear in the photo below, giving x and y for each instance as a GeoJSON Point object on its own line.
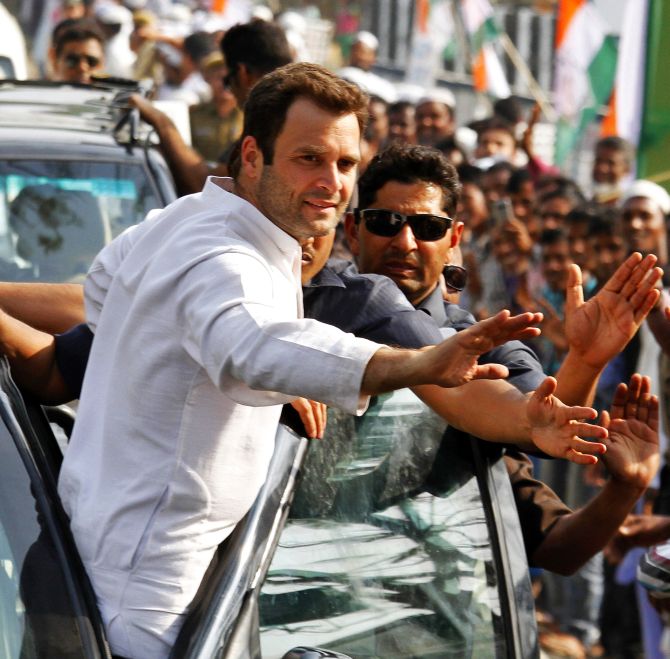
{"type": "Point", "coordinates": [456, 233]}
{"type": "Point", "coordinates": [251, 158]}
{"type": "Point", "coordinates": [351, 232]}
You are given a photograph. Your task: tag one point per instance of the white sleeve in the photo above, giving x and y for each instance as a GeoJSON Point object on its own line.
{"type": "Point", "coordinates": [235, 330]}
{"type": "Point", "coordinates": [101, 273]}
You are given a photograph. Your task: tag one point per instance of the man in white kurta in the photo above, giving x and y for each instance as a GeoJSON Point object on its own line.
{"type": "Point", "coordinates": [195, 313]}
{"type": "Point", "coordinates": [197, 320]}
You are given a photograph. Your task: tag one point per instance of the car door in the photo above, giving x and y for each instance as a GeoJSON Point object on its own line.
{"type": "Point", "coordinates": [47, 608]}
{"type": "Point", "coordinates": [400, 545]}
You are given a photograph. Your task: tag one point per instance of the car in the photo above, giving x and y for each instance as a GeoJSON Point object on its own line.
{"type": "Point", "coordinates": [382, 540]}
{"type": "Point", "coordinates": [77, 167]}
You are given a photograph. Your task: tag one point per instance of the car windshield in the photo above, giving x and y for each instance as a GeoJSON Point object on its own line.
{"type": "Point", "coordinates": [387, 551]}
{"type": "Point", "coordinates": [56, 216]}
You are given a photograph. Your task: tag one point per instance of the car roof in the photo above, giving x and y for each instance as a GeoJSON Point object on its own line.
{"type": "Point", "coordinates": [97, 113]}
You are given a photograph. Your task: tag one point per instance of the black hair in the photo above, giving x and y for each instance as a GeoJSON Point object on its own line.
{"type": "Point", "coordinates": [198, 45]}
{"type": "Point", "coordinates": [81, 30]}
{"type": "Point", "coordinates": [517, 179]}
{"type": "Point", "coordinates": [261, 46]}
{"type": "Point", "coordinates": [405, 163]}
{"type": "Point", "coordinates": [553, 237]}
{"type": "Point", "coordinates": [564, 189]}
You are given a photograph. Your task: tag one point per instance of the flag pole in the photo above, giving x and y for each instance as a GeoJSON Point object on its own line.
{"type": "Point", "coordinates": [533, 85]}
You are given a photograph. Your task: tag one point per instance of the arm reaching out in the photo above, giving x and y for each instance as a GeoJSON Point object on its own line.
{"type": "Point", "coordinates": [632, 458]}
{"type": "Point", "coordinates": [452, 362]}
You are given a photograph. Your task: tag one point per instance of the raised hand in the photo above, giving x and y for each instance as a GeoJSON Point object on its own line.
{"type": "Point", "coordinates": [454, 361]}
{"type": "Point", "coordinates": [557, 429]}
{"type": "Point", "coordinates": [632, 446]}
{"type": "Point", "coordinates": [600, 328]}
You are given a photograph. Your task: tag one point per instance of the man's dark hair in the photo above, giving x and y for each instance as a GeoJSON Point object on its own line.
{"type": "Point", "coordinates": [565, 189]}
{"type": "Point", "coordinates": [270, 98]}
{"type": "Point", "coordinates": [606, 223]}
{"type": "Point", "coordinates": [470, 174]}
{"type": "Point", "coordinates": [400, 106]}
{"type": "Point", "coordinates": [81, 30]}
{"type": "Point", "coordinates": [405, 163]}
{"type": "Point", "coordinates": [508, 109]}
{"type": "Point", "coordinates": [517, 179]}
{"type": "Point", "coordinates": [553, 237]}
{"type": "Point", "coordinates": [261, 46]}
{"type": "Point", "coordinates": [493, 123]}
{"type": "Point", "coordinates": [198, 45]}
{"type": "Point", "coordinates": [583, 214]}
{"type": "Point", "coordinates": [617, 143]}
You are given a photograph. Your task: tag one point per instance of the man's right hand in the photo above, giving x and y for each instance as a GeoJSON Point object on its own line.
{"type": "Point", "coordinates": [452, 362]}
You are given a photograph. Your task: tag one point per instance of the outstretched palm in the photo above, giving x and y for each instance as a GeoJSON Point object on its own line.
{"type": "Point", "coordinates": [557, 429]}
{"type": "Point", "coordinates": [600, 328]}
{"type": "Point", "coordinates": [454, 361]}
{"type": "Point", "coordinates": [632, 447]}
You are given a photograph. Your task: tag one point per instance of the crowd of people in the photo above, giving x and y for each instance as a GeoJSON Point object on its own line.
{"type": "Point", "coordinates": [198, 320]}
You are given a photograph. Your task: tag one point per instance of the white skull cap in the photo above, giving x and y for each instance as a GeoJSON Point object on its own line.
{"type": "Point", "coordinates": [367, 39]}
{"type": "Point", "coordinates": [649, 190]}
{"type": "Point", "coordinates": [439, 95]}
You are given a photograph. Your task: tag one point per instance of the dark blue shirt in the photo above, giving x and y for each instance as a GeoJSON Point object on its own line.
{"type": "Point", "coordinates": [525, 370]}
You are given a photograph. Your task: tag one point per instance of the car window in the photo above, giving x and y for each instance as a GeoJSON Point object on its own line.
{"type": "Point", "coordinates": [55, 216]}
{"type": "Point", "coordinates": [36, 613]}
{"type": "Point", "coordinates": [387, 551]}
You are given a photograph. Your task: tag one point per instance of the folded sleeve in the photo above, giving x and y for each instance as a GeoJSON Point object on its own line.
{"type": "Point", "coordinates": [243, 330]}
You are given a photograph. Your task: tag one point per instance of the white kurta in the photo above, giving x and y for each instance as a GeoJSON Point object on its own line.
{"type": "Point", "coordinates": [195, 313]}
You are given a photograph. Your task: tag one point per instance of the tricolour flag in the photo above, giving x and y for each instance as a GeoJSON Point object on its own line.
{"type": "Point", "coordinates": [640, 105]}
{"type": "Point", "coordinates": [487, 71]}
{"type": "Point", "coordinates": [585, 69]}
{"type": "Point", "coordinates": [433, 34]}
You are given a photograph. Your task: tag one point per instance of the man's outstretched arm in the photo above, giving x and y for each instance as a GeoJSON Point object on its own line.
{"type": "Point", "coordinates": [632, 459]}
{"type": "Point", "coordinates": [189, 169]}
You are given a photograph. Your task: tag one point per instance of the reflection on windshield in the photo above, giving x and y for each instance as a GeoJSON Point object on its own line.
{"type": "Point", "coordinates": [387, 552]}
{"type": "Point", "coordinates": [56, 216]}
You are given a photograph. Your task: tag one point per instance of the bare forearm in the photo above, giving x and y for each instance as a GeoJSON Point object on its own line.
{"type": "Point", "coordinates": [577, 380]}
{"type": "Point", "coordinates": [31, 355]}
{"type": "Point", "coordinates": [489, 409]}
{"type": "Point", "coordinates": [188, 167]}
{"type": "Point", "coordinates": [578, 536]}
{"type": "Point", "coordinates": [52, 308]}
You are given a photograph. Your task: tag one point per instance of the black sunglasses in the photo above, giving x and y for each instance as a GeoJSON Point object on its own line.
{"type": "Point", "coordinates": [382, 222]}
{"type": "Point", "coordinates": [455, 277]}
{"type": "Point", "coordinates": [72, 60]}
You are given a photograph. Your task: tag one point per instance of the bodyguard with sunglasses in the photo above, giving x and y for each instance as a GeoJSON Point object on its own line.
{"type": "Point", "coordinates": [78, 52]}
{"type": "Point", "coordinates": [405, 228]}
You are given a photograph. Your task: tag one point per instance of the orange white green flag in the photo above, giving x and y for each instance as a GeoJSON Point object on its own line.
{"type": "Point", "coordinates": [640, 107]}
{"type": "Point", "coordinates": [585, 69]}
{"type": "Point", "coordinates": [487, 71]}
